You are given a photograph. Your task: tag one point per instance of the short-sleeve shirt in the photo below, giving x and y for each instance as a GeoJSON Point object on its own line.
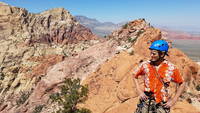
{"type": "Point", "coordinates": [167, 73]}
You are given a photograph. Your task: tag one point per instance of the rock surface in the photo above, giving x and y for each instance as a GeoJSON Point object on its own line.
{"type": "Point", "coordinates": [112, 89]}
{"type": "Point", "coordinates": [30, 44]}
{"type": "Point", "coordinates": [55, 25]}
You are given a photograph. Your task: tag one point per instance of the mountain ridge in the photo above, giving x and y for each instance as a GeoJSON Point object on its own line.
{"type": "Point", "coordinates": [105, 28]}
{"type": "Point", "coordinates": [97, 27]}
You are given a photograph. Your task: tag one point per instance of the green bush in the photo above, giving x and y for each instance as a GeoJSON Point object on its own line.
{"type": "Point", "coordinates": [125, 26]}
{"type": "Point", "coordinates": [71, 94]}
{"type": "Point", "coordinates": [140, 32]}
{"type": "Point", "coordinates": [198, 87]}
{"type": "Point", "coordinates": [38, 109]}
{"type": "Point", "coordinates": [2, 76]}
{"type": "Point", "coordinates": [22, 99]}
{"type": "Point", "coordinates": [132, 39]}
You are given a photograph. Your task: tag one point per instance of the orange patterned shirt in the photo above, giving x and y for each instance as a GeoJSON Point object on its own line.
{"type": "Point", "coordinates": [166, 70]}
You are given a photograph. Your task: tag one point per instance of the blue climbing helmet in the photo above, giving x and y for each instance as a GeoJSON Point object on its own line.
{"type": "Point", "coordinates": [160, 45]}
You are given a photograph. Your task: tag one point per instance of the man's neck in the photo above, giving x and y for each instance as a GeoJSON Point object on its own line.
{"type": "Point", "coordinates": [157, 63]}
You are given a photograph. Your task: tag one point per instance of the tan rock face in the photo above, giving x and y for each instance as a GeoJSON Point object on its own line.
{"type": "Point", "coordinates": [111, 87]}
{"type": "Point", "coordinates": [131, 29]}
{"type": "Point", "coordinates": [5, 9]}
{"type": "Point", "coordinates": [45, 83]}
{"type": "Point", "coordinates": [52, 26]}
{"type": "Point", "coordinates": [31, 44]}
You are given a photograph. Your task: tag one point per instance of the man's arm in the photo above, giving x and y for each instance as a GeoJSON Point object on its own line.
{"type": "Point", "coordinates": [171, 102]}
{"type": "Point", "coordinates": [139, 91]}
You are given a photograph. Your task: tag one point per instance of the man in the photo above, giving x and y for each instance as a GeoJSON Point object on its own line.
{"type": "Point", "coordinates": [158, 73]}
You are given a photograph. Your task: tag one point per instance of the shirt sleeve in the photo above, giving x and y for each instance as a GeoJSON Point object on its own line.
{"type": "Point", "coordinates": [138, 71]}
{"type": "Point", "coordinates": [176, 77]}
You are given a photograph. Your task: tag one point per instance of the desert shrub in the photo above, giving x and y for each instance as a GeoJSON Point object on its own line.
{"type": "Point", "coordinates": [132, 39]}
{"type": "Point", "coordinates": [140, 32]}
{"type": "Point", "coordinates": [72, 93]}
{"type": "Point", "coordinates": [198, 87]}
{"type": "Point", "coordinates": [125, 26]}
{"type": "Point", "coordinates": [22, 99]}
{"type": "Point", "coordinates": [38, 108]}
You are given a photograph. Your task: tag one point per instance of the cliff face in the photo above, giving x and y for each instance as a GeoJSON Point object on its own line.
{"type": "Point", "coordinates": [56, 25]}
{"type": "Point", "coordinates": [35, 58]}
{"type": "Point", "coordinates": [30, 44]}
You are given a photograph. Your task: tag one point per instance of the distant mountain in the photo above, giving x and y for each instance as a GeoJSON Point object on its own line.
{"type": "Point", "coordinates": [192, 32]}
{"type": "Point", "coordinates": [106, 28]}
{"type": "Point", "coordinates": [173, 34]}
{"type": "Point", "coordinates": [97, 27]}
{"type": "Point", "coordinates": [89, 22]}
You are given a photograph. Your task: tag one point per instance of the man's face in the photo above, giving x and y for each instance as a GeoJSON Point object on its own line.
{"type": "Point", "coordinates": [154, 55]}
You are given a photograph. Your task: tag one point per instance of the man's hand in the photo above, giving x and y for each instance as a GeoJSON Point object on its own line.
{"type": "Point", "coordinates": [140, 92]}
{"type": "Point", "coordinates": [169, 103]}
{"type": "Point", "coordinates": [172, 101]}
{"type": "Point", "coordinates": [143, 96]}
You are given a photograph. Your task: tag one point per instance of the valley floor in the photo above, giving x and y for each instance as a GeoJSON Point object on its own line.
{"type": "Point", "coordinates": [189, 47]}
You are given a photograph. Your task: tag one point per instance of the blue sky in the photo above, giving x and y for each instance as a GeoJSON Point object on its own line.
{"type": "Point", "coordinates": [157, 12]}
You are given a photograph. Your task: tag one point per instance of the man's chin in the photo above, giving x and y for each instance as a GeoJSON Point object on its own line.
{"type": "Point", "coordinates": [153, 60]}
